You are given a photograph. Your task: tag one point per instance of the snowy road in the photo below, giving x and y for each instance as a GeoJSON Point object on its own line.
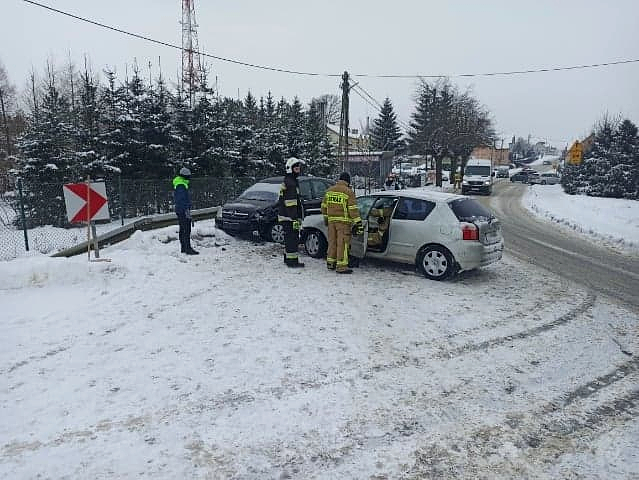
{"type": "Point", "coordinates": [594, 264]}
{"type": "Point", "coordinates": [229, 366]}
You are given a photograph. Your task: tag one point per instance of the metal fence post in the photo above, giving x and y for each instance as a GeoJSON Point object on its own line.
{"type": "Point", "coordinates": [24, 220]}
{"type": "Point", "coordinates": [121, 200]}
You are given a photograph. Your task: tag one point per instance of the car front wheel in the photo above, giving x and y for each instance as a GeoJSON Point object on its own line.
{"type": "Point", "coordinates": [315, 244]}
{"type": "Point", "coordinates": [275, 233]}
{"type": "Point", "coordinates": [435, 262]}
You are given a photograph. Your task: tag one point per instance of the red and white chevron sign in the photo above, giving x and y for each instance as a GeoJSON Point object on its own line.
{"type": "Point", "coordinates": [86, 202]}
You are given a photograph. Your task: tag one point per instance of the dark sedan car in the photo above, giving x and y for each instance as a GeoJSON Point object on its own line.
{"type": "Point", "coordinates": [523, 176]}
{"type": "Point", "coordinates": [255, 210]}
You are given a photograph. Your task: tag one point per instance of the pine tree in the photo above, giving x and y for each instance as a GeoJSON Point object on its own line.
{"type": "Point", "coordinates": [45, 156]}
{"type": "Point", "coordinates": [386, 134]}
{"type": "Point", "coordinates": [221, 156]}
{"type": "Point", "coordinates": [45, 148]}
{"type": "Point", "coordinates": [185, 144]}
{"type": "Point", "coordinates": [318, 154]}
{"type": "Point", "coordinates": [295, 144]}
{"type": "Point", "coordinates": [155, 126]}
{"type": "Point", "coordinates": [276, 133]}
{"type": "Point", "coordinates": [592, 176]}
{"type": "Point", "coordinates": [87, 128]}
{"type": "Point", "coordinates": [623, 178]}
{"type": "Point", "coordinates": [432, 123]}
{"type": "Point", "coordinates": [111, 140]}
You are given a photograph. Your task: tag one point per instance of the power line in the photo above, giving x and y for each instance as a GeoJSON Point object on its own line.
{"type": "Point", "coordinates": [378, 105]}
{"type": "Point", "coordinates": [171, 45]}
{"type": "Point", "coordinates": [315, 74]}
{"type": "Point", "coordinates": [494, 74]}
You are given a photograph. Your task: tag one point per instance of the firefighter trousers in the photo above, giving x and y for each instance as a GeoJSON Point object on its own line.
{"type": "Point", "coordinates": [339, 244]}
{"type": "Point", "coordinates": [291, 240]}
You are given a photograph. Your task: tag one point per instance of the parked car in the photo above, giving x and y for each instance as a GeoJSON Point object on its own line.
{"type": "Point", "coordinates": [441, 233]}
{"type": "Point", "coordinates": [523, 176]}
{"type": "Point", "coordinates": [546, 178]}
{"type": "Point", "coordinates": [503, 172]}
{"type": "Point", "coordinates": [255, 210]}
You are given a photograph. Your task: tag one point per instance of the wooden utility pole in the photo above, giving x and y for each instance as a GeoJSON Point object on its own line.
{"type": "Point", "coordinates": [343, 123]}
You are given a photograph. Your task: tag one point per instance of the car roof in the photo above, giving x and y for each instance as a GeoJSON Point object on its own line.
{"type": "Point", "coordinates": [431, 195]}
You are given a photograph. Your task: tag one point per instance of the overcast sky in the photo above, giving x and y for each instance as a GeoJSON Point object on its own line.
{"type": "Point", "coordinates": [402, 37]}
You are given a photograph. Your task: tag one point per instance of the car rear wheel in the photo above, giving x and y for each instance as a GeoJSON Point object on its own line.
{"type": "Point", "coordinates": [435, 262]}
{"type": "Point", "coordinates": [315, 244]}
{"type": "Point", "coordinates": [275, 233]}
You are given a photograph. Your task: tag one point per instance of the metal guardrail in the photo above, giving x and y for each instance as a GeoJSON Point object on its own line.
{"type": "Point", "coordinates": [33, 214]}
{"type": "Point", "coordinates": [147, 223]}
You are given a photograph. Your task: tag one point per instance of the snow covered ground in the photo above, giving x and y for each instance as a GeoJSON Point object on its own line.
{"type": "Point", "coordinates": [227, 365]}
{"type": "Point", "coordinates": [612, 221]}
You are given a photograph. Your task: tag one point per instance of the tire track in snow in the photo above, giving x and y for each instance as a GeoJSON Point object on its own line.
{"type": "Point", "coordinates": [586, 305]}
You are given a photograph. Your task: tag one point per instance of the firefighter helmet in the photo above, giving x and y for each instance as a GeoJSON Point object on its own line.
{"type": "Point", "coordinates": [291, 162]}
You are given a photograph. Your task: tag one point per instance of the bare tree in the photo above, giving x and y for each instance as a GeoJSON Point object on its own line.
{"type": "Point", "coordinates": [331, 105]}
{"type": "Point", "coordinates": [447, 123]}
{"type": "Point", "coordinates": [7, 107]}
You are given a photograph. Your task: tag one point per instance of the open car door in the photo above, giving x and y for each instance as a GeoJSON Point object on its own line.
{"type": "Point", "coordinates": [360, 242]}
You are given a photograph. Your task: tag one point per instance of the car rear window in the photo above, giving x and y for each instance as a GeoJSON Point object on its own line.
{"type": "Point", "coordinates": [262, 191]}
{"type": "Point", "coordinates": [413, 209]}
{"type": "Point", "coordinates": [467, 210]}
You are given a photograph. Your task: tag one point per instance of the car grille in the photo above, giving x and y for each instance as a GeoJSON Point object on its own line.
{"type": "Point", "coordinates": [475, 183]}
{"type": "Point", "coordinates": [234, 215]}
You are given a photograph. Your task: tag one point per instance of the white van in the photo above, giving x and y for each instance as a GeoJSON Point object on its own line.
{"type": "Point", "coordinates": [478, 177]}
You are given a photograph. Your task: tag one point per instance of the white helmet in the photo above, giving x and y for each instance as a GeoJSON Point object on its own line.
{"type": "Point", "coordinates": [293, 161]}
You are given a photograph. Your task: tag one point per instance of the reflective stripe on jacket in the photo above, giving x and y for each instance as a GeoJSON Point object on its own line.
{"type": "Point", "coordinates": [339, 204]}
{"type": "Point", "coordinates": [290, 202]}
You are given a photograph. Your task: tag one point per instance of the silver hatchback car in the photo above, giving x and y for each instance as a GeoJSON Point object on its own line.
{"type": "Point", "coordinates": [546, 178]}
{"type": "Point", "coordinates": [441, 233]}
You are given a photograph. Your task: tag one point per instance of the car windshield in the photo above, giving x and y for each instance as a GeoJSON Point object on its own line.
{"type": "Point", "coordinates": [262, 191]}
{"type": "Point", "coordinates": [364, 204]}
{"type": "Point", "coordinates": [483, 170]}
{"type": "Point", "coordinates": [467, 210]}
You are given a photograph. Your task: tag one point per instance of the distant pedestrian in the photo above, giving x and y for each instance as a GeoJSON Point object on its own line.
{"type": "Point", "coordinates": [182, 200]}
{"type": "Point", "coordinates": [341, 215]}
{"type": "Point", "coordinates": [291, 211]}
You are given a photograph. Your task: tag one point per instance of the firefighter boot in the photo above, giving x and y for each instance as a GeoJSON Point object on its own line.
{"type": "Point", "coordinates": [344, 270]}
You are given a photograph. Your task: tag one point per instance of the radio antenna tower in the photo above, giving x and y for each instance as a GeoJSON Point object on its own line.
{"type": "Point", "coordinates": [192, 72]}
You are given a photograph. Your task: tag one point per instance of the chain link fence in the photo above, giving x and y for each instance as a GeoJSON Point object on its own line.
{"type": "Point", "coordinates": [33, 216]}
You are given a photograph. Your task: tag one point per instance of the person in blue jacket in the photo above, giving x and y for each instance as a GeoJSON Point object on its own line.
{"type": "Point", "coordinates": [182, 200]}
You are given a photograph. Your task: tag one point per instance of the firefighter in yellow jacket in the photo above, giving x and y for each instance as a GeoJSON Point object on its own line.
{"type": "Point", "coordinates": [341, 215]}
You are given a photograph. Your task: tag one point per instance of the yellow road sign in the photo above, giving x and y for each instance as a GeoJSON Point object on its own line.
{"type": "Point", "coordinates": [575, 153]}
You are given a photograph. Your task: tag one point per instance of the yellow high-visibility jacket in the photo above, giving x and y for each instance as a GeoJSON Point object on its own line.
{"type": "Point", "coordinates": [339, 204]}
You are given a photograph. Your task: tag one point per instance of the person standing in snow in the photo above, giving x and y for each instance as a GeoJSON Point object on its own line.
{"type": "Point", "coordinates": [182, 201]}
{"type": "Point", "coordinates": [291, 211]}
{"type": "Point", "coordinates": [341, 215]}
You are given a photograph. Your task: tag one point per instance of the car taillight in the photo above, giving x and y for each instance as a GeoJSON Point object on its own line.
{"type": "Point", "coordinates": [469, 231]}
